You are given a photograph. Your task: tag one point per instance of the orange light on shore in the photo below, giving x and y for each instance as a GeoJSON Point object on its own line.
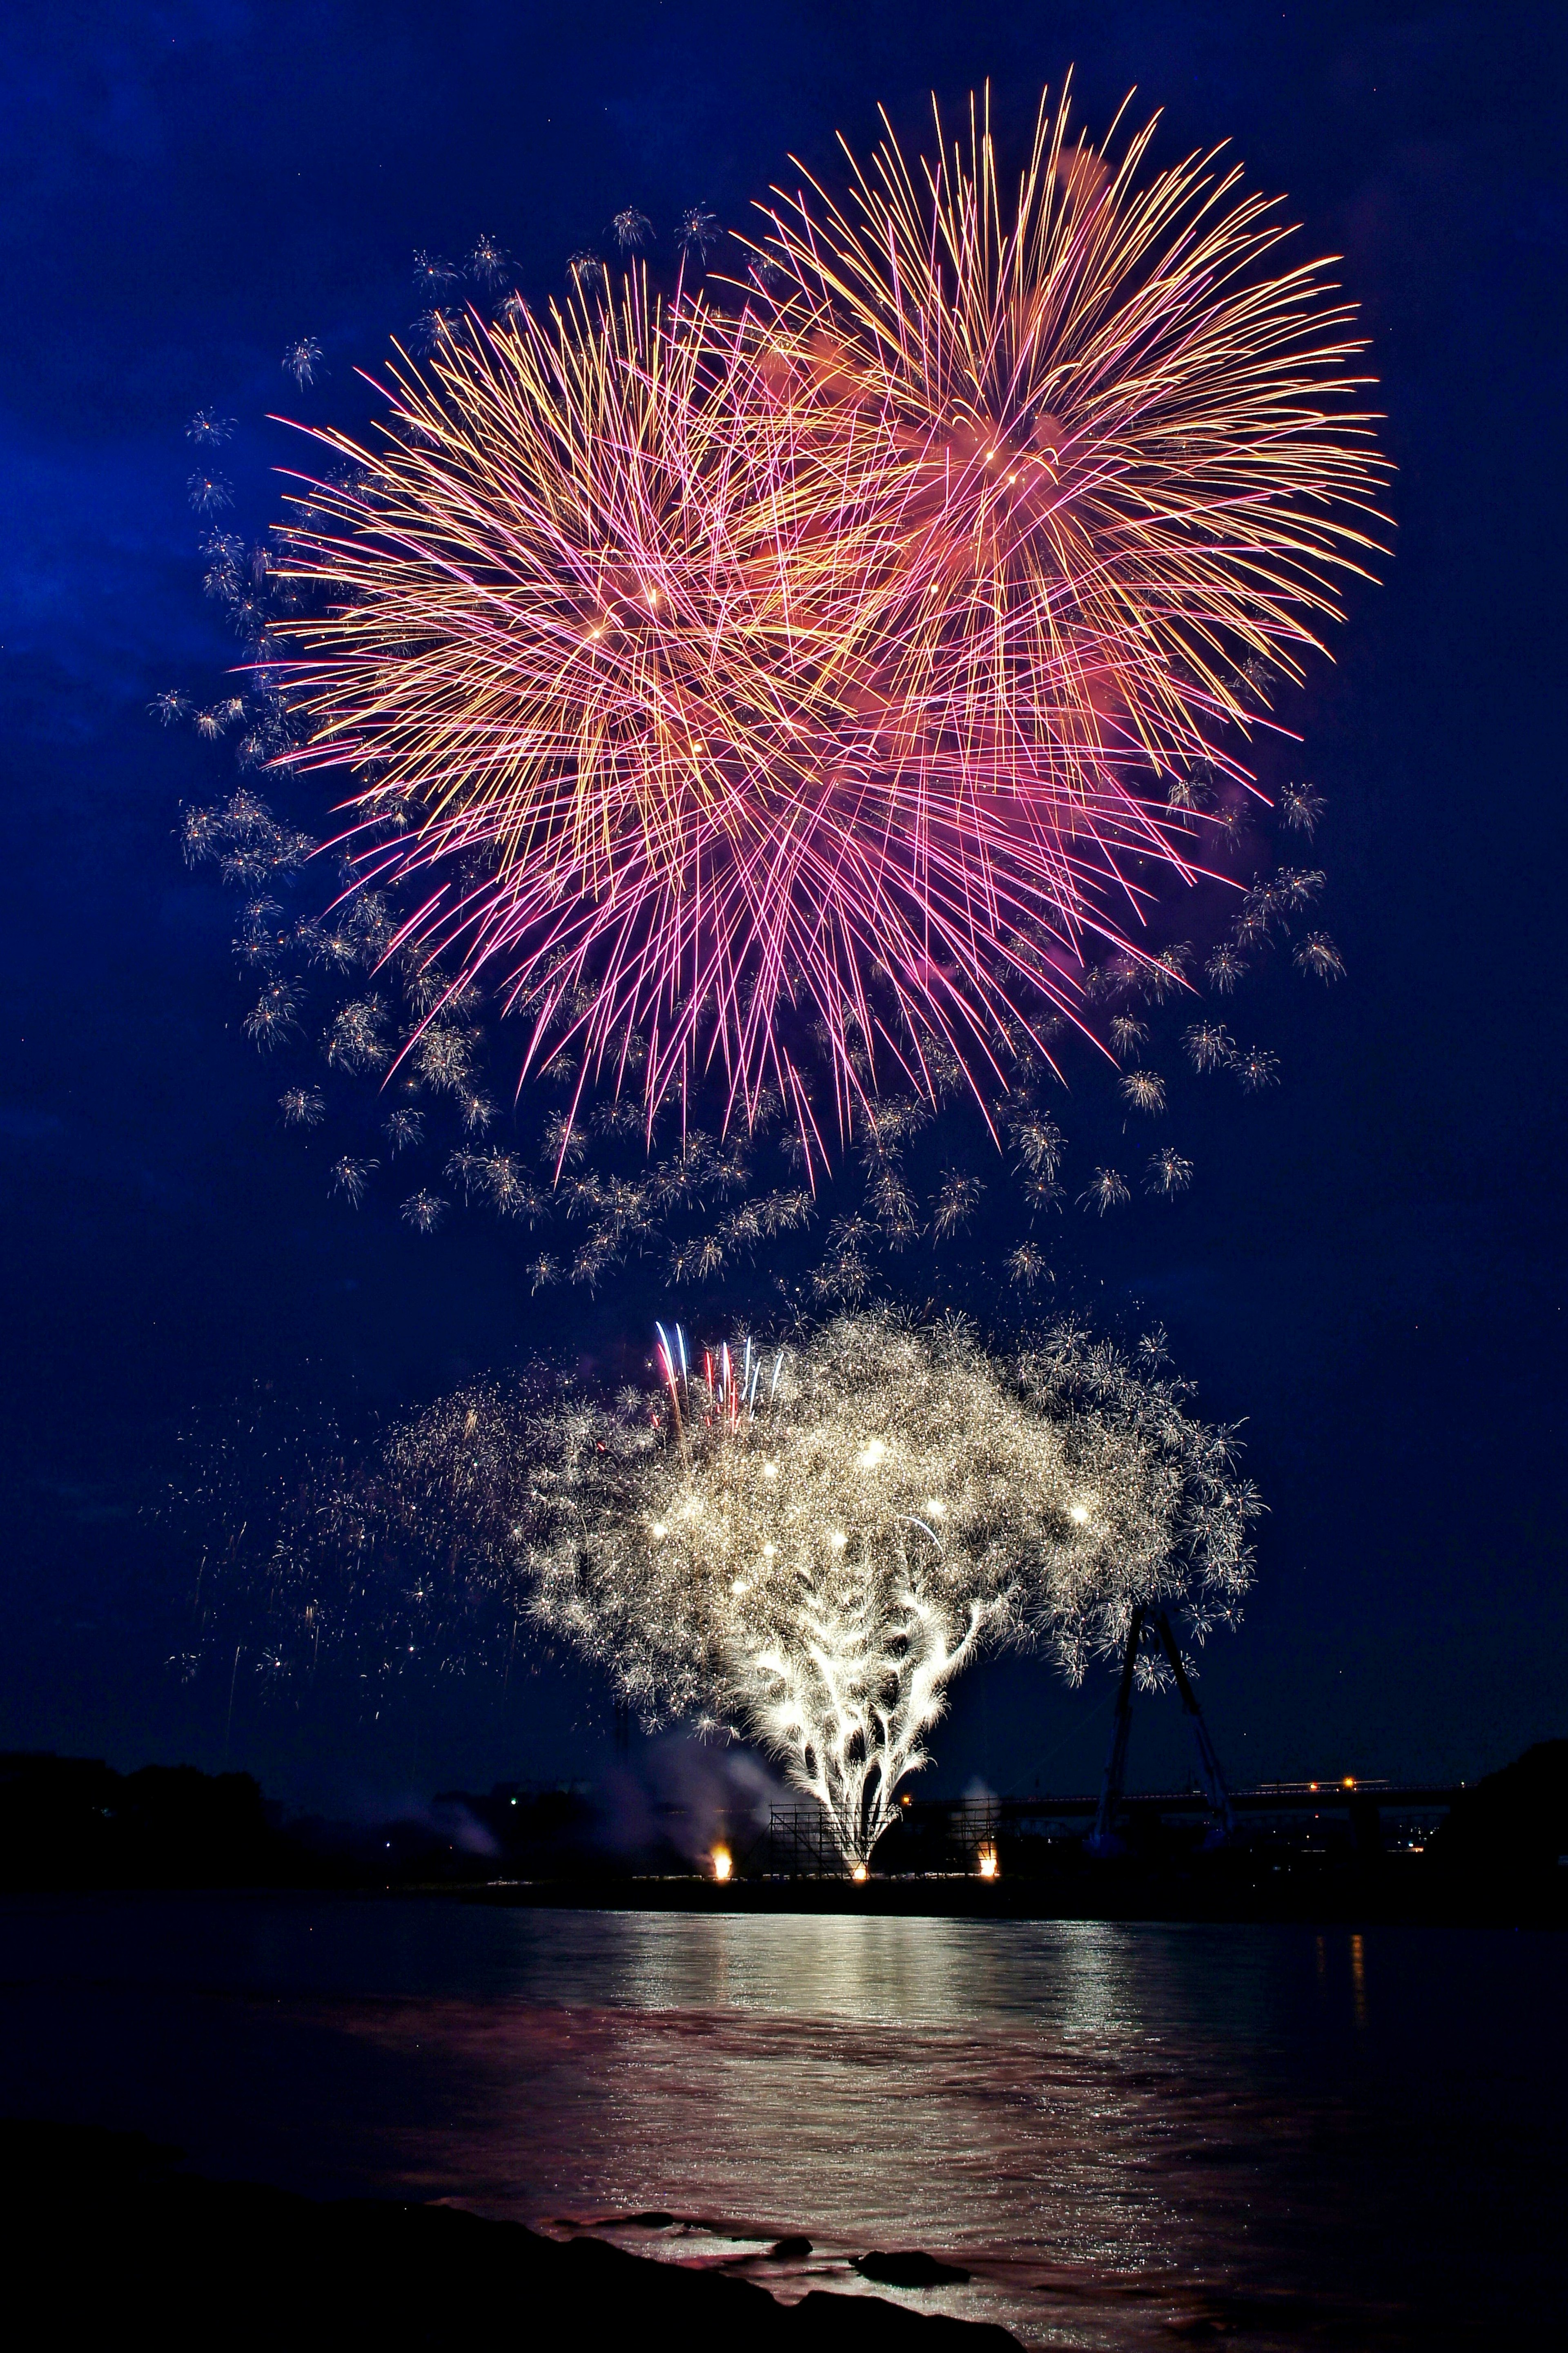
{"type": "Point", "coordinates": [987, 1860]}
{"type": "Point", "coordinates": [858, 1873]}
{"type": "Point", "coordinates": [723, 1864]}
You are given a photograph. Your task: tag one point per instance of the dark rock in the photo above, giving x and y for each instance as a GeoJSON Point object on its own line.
{"type": "Point", "coordinates": [656, 2218]}
{"type": "Point", "coordinates": [909, 2267]}
{"type": "Point", "coordinates": [788, 2250]}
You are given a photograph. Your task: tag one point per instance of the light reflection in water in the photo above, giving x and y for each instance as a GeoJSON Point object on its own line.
{"type": "Point", "coordinates": [1046, 2103]}
{"type": "Point", "coordinates": [1124, 2130]}
{"type": "Point", "coordinates": [1083, 1976]}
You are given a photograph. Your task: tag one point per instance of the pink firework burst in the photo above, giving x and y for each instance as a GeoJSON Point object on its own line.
{"type": "Point", "coordinates": [804, 696]}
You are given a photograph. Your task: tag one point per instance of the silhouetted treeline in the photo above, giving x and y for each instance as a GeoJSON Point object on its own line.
{"type": "Point", "coordinates": [1514, 1821]}
{"type": "Point", "coordinates": [75, 1822]}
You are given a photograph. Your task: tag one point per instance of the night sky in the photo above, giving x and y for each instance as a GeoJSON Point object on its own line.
{"type": "Point", "coordinates": [1369, 1269]}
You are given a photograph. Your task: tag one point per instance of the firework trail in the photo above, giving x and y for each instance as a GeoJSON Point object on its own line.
{"type": "Point", "coordinates": [1115, 466]}
{"type": "Point", "coordinates": [604, 687]}
{"type": "Point", "coordinates": [835, 682]}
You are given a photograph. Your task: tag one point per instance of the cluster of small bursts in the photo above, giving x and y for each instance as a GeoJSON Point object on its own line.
{"type": "Point", "coordinates": [804, 706]}
{"type": "Point", "coordinates": [801, 702]}
{"type": "Point", "coordinates": [799, 1545]}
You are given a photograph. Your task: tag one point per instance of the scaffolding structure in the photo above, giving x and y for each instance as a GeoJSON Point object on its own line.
{"type": "Point", "coordinates": [1105, 1838]}
{"type": "Point", "coordinates": [933, 1838]}
{"type": "Point", "coordinates": [801, 1845]}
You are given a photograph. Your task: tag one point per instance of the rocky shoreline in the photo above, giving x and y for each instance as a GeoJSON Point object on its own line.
{"type": "Point", "coordinates": [110, 2231]}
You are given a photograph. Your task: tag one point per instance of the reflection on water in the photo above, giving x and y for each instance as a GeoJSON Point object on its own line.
{"type": "Point", "coordinates": [1132, 2135]}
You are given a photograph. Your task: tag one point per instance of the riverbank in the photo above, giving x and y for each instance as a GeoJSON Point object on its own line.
{"type": "Point", "coordinates": [1129, 2136]}
{"type": "Point", "coordinates": [109, 2231]}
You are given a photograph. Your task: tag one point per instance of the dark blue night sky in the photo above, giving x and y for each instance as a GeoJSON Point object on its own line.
{"type": "Point", "coordinates": [1370, 1270]}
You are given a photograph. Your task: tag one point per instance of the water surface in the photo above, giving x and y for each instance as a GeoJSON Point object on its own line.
{"type": "Point", "coordinates": [1133, 2136]}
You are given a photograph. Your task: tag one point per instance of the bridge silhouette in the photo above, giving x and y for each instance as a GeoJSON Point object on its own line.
{"type": "Point", "coordinates": [959, 1834]}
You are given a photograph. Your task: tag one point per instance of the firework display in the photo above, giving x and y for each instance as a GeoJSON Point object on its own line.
{"type": "Point", "coordinates": [800, 1544]}
{"type": "Point", "coordinates": [797, 700]}
{"type": "Point", "coordinates": [804, 706]}
{"type": "Point", "coordinates": [828, 684]}
{"type": "Point", "coordinates": [804, 1545]}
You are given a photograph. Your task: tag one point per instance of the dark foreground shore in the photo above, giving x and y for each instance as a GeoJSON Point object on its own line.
{"type": "Point", "coordinates": [109, 2233]}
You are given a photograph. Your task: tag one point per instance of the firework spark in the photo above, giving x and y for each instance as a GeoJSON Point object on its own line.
{"type": "Point", "coordinates": [302, 360]}
{"type": "Point", "coordinates": [696, 232]}
{"type": "Point", "coordinates": [1107, 1189]}
{"type": "Point", "coordinates": [1318, 954]}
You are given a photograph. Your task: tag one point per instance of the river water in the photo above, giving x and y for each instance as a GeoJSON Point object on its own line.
{"type": "Point", "coordinates": [1131, 2136]}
